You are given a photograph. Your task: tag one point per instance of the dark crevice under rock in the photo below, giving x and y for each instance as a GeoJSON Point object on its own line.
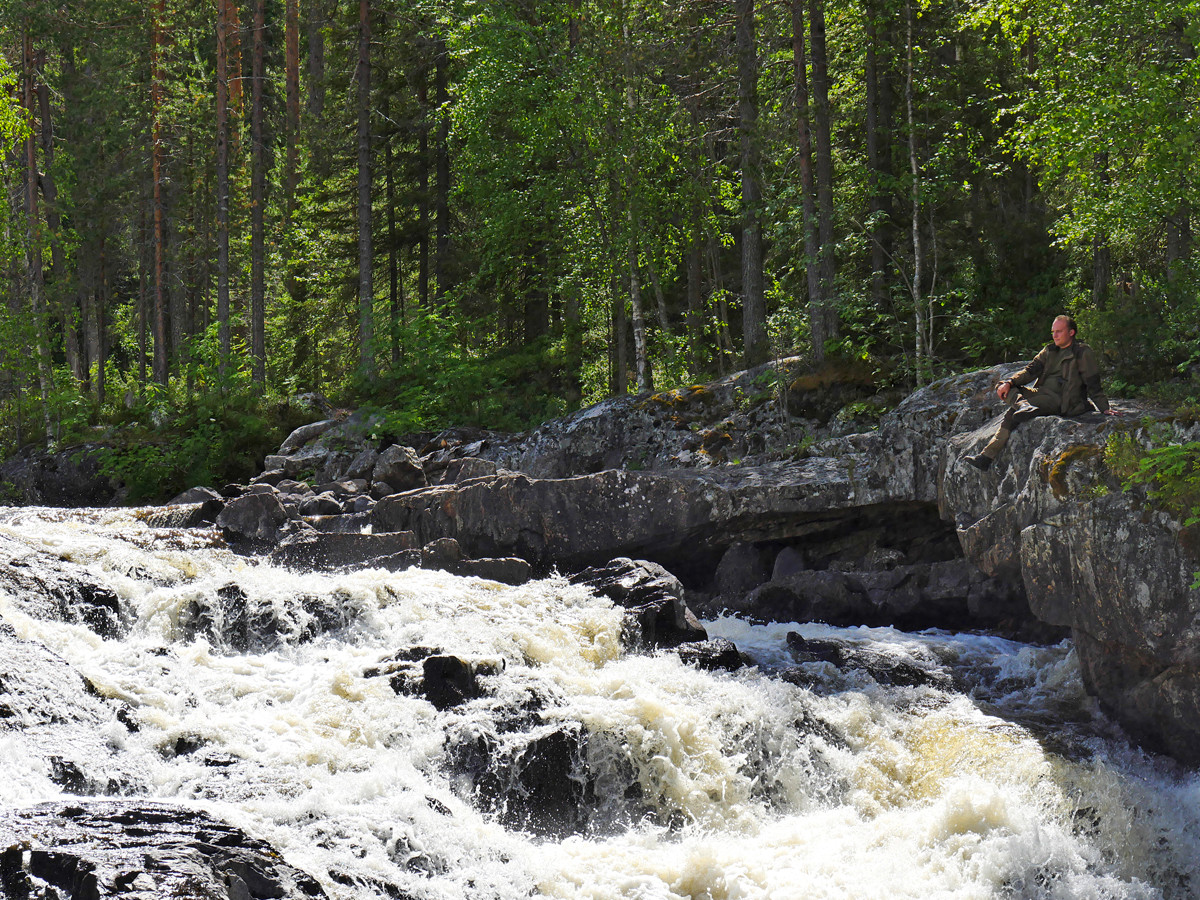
{"type": "Point", "coordinates": [888, 564]}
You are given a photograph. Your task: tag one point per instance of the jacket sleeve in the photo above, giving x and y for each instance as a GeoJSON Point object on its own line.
{"type": "Point", "coordinates": [1089, 371]}
{"type": "Point", "coordinates": [1032, 371]}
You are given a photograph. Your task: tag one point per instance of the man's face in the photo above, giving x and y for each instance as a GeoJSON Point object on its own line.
{"type": "Point", "coordinates": [1061, 334]}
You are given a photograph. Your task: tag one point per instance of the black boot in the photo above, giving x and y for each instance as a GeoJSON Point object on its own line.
{"type": "Point", "coordinates": [979, 461]}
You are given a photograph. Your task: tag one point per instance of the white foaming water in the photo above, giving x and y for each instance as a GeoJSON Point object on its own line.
{"type": "Point", "coordinates": [702, 785]}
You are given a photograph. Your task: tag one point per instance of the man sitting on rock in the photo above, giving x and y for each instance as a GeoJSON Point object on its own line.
{"type": "Point", "coordinates": [1068, 384]}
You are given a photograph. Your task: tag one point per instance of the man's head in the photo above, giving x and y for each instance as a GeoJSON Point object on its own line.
{"type": "Point", "coordinates": [1062, 332]}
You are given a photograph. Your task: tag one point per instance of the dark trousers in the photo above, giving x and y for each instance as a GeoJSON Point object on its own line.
{"type": "Point", "coordinates": [1029, 404]}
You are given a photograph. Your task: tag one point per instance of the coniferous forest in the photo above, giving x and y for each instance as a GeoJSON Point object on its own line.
{"type": "Point", "coordinates": [490, 213]}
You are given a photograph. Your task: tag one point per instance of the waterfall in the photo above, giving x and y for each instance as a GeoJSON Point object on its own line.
{"type": "Point", "coordinates": [156, 664]}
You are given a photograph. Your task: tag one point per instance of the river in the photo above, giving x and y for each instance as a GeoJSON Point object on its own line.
{"type": "Point", "coordinates": [988, 774]}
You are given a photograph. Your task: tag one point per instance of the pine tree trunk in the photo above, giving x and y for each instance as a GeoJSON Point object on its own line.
{"type": "Point", "coordinates": [65, 310]}
{"type": "Point", "coordinates": [423, 197]}
{"type": "Point", "coordinates": [33, 244]}
{"type": "Point", "coordinates": [291, 79]}
{"type": "Point", "coordinates": [366, 287]}
{"type": "Point", "coordinates": [754, 311]}
{"type": "Point", "coordinates": [258, 201]}
{"type": "Point", "coordinates": [316, 60]}
{"type": "Point", "coordinates": [695, 290]}
{"type": "Point", "coordinates": [143, 303]}
{"type": "Point", "coordinates": [1179, 242]}
{"type": "Point", "coordinates": [826, 253]}
{"type": "Point", "coordinates": [442, 206]}
{"type": "Point", "coordinates": [876, 126]}
{"type": "Point", "coordinates": [157, 175]}
{"type": "Point", "coordinates": [101, 321]}
{"type": "Point", "coordinates": [620, 344]}
{"type": "Point", "coordinates": [223, 180]}
{"type": "Point", "coordinates": [395, 287]}
{"type": "Point", "coordinates": [641, 356]}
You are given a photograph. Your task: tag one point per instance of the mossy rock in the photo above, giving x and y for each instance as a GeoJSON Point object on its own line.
{"type": "Point", "coordinates": [1055, 469]}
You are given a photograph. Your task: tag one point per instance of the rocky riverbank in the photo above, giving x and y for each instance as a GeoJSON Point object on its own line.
{"type": "Point", "coordinates": [777, 495]}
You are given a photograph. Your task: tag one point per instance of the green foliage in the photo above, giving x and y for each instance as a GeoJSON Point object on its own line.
{"type": "Point", "coordinates": [531, 157]}
{"type": "Point", "coordinates": [13, 124]}
{"type": "Point", "coordinates": [448, 384]}
{"type": "Point", "coordinates": [1170, 473]}
{"type": "Point", "coordinates": [214, 440]}
{"type": "Point", "coordinates": [165, 440]}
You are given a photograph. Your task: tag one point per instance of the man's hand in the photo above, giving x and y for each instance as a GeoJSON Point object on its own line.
{"type": "Point", "coordinates": [1002, 390]}
{"type": "Point", "coordinates": [1112, 412]}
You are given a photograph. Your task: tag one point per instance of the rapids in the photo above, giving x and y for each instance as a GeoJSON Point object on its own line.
{"type": "Point", "coordinates": [995, 776]}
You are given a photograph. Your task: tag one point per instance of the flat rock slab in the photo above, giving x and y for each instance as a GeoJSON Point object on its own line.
{"type": "Point", "coordinates": [137, 849]}
{"type": "Point", "coordinates": [589, 519]}
{"type": "Point", "coordinates": [334, 550]}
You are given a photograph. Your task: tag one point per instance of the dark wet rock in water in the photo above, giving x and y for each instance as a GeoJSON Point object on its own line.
{"type": "Point", "coordinates": [509, 758]}
{"type": "Point", "coordinates": [138, 849]}
{"type": "Point", "coordinates": [194, 495]}
{"type": "Point", "coordinates": [334, 549]}
{"type": "Point", "coordinates": [49, 711]}
{"type": "Point", "coordinates": [947, 594]}
{"type": "Point", "coordinates": [886, 666]}
{"type": "Point", "coordinates": [228, 618]}
{"type": "Point", "coordinates": [450, 680]}
{"type": "Point", "coordinates": [443, 679]}
{"type": "Point", "coordinates": [446, 555]}
{"type": "Point", "coordinates": [232, 620]}
{"type": "Point", "coordinates": [535, 780]}
{"type": "Point", "coordinates": [506, 570]}
{"type": "Point", "coordinates": [653, 598]}
{"type": "Point", "coordinates": [742, 568]}
{"type": "Point", "coordinates": [711, 655]}
{"type": "Point", "coordinates": [186, 515]}
{"type": "Point", "coordinates": [49, 587]}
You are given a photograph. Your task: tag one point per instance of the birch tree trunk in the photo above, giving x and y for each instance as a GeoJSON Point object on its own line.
{"type": "Point", "coordinates": [817, 301]}
{"type": "Point", "coordinates": [641, 358]}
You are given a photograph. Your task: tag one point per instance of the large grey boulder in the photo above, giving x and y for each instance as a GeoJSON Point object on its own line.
{"type": "Point", "coordinates": [747, 416]}
{"type": "Point", "coordinates": [258, 518]}
{"type": "Point", "coordinates": [667, 516]}
{"type": "Point", "coordinates": [656, 615]}
{"type": "Point", "coordinates": [305, 433]}
{"type": "Point", "coordinates": [400, 467]}
{"type": "Point", "coordinates": [1106, 563]}
{"type": "Point", "coordinates": [66, 478]}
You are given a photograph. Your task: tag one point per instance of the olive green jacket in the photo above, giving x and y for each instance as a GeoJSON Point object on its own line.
{"type": "Point", "coordinates": [1070, 374]}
